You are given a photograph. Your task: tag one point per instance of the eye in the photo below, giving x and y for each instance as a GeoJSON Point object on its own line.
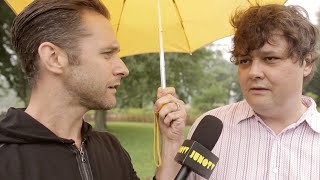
{"type": "Point", "coordinates": [108, 54]}
{"type": "Point", "coordinates": [244, 61]}
{"type": "Point", "coordinates": [271, 59]}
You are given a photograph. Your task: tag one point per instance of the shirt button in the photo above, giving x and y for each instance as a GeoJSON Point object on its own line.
{"type": "Point", "coordinates": [275, 170]}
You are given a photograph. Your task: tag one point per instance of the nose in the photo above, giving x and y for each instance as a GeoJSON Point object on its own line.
{"type": "Point", "coordinates": [256, 71]}
{"type": "Point", "coordinates": [120, 68]}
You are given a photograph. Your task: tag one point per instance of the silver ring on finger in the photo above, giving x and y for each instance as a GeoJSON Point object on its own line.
{"type": "Point", "coordinates": [178, 106]}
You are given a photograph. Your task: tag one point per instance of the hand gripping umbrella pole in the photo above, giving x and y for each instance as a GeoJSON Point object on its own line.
{"type": "Point", "coordinates": [156, 133]}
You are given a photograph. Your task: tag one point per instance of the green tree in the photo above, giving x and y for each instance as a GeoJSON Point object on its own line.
{"type": "Point", "coordinates": [211, 97]}
{"type": "Point", "coordinates": [9, 65]}
{"type": "Point", "coordinates": [183, 71]}
{"type": "Point", "coordinates": [218, 83]}
{"type": "Point", "coordinates": [313, 87]}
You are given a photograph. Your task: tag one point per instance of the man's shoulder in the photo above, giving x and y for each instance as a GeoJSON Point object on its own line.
{"type": "Point", "coordinates": [234, 109]}
{"type": "Point", "coordinates": [2, 145]}
{"type": "Point", "coordinates": [228, 114]}
{"type": "Point", "coordinates": [104, 136]}
{"type": "Point", "coordinates": [109, 142]}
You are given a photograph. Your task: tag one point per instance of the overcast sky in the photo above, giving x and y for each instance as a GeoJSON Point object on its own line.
{"type": "Point", "coordinates": [312, 6]}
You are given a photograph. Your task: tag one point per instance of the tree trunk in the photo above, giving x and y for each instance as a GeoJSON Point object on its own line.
{"type": "Point", "coordinates": [100, 118]}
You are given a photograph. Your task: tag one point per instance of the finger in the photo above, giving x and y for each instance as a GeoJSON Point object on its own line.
{"type": "Point", "coordinates": [171, 107]}
{"type": "Point", "coordinates": [166, 109]}
{"type": "Point", "coordinates": [162, 101]}
{"type": "Point", "coordinates": [165, 91]}
{"type": "Point", "coordinates": [165, 100]}
{"type": "Point", "coordinates": [173, 117]}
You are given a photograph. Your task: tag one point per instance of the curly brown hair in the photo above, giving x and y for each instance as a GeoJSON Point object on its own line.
{"type": "Point", "coordinates": [255, 26]}
{"type": "Point", "coordinates": [55, 21]}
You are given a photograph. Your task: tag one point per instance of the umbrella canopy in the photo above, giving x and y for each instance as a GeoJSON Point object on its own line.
{"type": "Point", "coordinates": [187, 24]}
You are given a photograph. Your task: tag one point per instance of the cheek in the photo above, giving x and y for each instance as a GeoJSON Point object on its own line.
{"type": "Point", "coordinates": [104, 67]}
{"type": "Point", "coordinates": [284, 81]}
{"type": "Point", "coordinates": [98, 70]}
{"type": "Point", "coordinates": [283, 76]}
{"type": "Point", "coordinates": [239, 75]}
{"type": "Point", "coordinates": [242, 77]}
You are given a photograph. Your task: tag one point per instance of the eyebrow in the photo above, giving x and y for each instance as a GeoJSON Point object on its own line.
{"type": "Point", "coordinates": [243, 56]}
{"type": "Point", "coordinates": [271, 53]}
{"type": "Point", "coordinates": [114, 48]}
{"type": "Point", "coordinates": [265, 53]}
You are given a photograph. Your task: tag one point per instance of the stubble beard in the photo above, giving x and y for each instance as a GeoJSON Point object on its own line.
{"type": "Point", "coordinates": [88, 94]}
{"type": "Point", "coordinates": [91, 100]}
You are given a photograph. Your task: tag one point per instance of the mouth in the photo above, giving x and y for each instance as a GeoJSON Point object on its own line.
{"type": "Point", "coordinates": [258, 88]}
{"type": "Point", "coordinates": [115, 87]}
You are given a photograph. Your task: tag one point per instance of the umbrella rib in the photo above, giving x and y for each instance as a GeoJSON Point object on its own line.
{"type": "Point", "coordinates": [124, 2]}
{"type": "Point", "coordinates": [184, 31]}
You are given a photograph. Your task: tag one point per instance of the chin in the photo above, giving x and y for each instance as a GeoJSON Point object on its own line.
{"type": "Point", "coordinates": [101, 105]}
{"type": "Point", "coordinates": [256, 103]}
{"type": "Point", "coordinates": [107, 103]}
{"type": "Point", "coordinates": [110, 104]}
{"type": "Point", "coordinates": [261, 107]}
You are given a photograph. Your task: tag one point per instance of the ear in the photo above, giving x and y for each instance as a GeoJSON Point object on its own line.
{"type": "Point", "coordinates": [307, 65]}
{"type": "Point", "coordinates": [52, 58]}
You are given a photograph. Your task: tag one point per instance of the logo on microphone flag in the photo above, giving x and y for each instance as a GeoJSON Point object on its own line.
{"type": "Point", "coordinates": [196, 157]}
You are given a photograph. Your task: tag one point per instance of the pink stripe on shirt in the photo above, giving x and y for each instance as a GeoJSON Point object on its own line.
{"type": "Point", "coordinates": [249, 150]}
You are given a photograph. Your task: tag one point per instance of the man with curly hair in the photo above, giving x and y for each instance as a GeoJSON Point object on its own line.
{"type": "Point", "coordinates": [69, 53]}
{"type": "Point", "coordinates": [274, 133]}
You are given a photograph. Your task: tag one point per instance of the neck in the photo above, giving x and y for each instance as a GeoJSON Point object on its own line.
{"type": "Point", "coordinates": [56, 112]}
{"type": "Point", "coordinates": [279, 119]}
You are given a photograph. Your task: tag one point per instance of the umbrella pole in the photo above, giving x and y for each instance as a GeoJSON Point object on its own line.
{"type": "Point", "coordinates": [162, 62]}
{"type": "Point", "coordinates": [156, 134]}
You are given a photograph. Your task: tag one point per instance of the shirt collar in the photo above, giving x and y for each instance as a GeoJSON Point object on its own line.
{"type": "Point", "coordinates": [311, 116]}
{"type": "Point", "coordinates": [244, 113]}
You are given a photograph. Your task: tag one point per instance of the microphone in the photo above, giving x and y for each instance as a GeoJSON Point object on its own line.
{"type": "Point", "coordinates": [195, 154]}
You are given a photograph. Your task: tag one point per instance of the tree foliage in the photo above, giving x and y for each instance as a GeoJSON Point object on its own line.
{"type": "Point", "coordinates": [218, 83]}
{"type": "Point", "coordinates": [204, 78]}
{"type": "Point", "coordinates": [9, 65]}
{"type": "Point", "coordinates": [314, 87]}
{"type": "Point", "coordinates": [183, 71]}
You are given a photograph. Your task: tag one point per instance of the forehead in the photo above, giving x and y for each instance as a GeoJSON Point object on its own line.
{"type": "Point", "coordinates": [276, 43]}
{"type": "Point", "coordinates": [97, 28]}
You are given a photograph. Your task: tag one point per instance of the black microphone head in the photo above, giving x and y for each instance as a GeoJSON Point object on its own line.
{"type": "Point", "coordinates": [208, 131]}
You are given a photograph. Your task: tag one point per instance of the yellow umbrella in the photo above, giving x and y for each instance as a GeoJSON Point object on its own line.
{"type": "Point", "coordinates": [186, 24]}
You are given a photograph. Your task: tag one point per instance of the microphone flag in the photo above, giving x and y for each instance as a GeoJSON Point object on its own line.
{"type": "Point", "coordinates": [196, 157]}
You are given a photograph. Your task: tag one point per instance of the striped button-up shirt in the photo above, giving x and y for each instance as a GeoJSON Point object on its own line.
{"type": "Point", "coordinates": [249, 150]}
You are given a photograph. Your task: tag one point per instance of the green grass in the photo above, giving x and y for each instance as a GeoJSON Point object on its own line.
{"type": "Point", "coordinates": [137, 139]}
